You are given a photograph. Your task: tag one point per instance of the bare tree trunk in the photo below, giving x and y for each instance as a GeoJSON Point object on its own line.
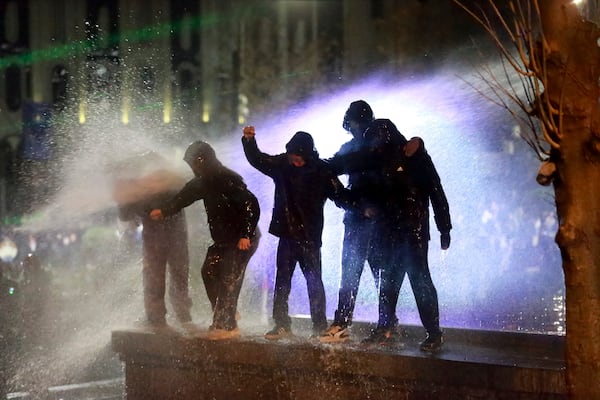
{"type": "Point", "coordinates": [559, 67]}
{"type": "Point", "coordinates": [573, 76]}
{"type": "Point", "coordinates": [577, 204]}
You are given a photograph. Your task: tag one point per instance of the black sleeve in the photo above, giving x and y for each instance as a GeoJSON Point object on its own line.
{"type": "Point", "coordinates": [263, 162]}
{"type": "Point", "coordinates": [439, 202]}
{"type": "Point", "coordinates": [193, 191]}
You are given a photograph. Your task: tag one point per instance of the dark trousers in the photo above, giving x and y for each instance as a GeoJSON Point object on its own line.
{"type": "Point", "coordinates": [223, 274]}
{"type": "Point", "coordinates": [403, 256]}
{"type": "Point", "coordinates": [308, 256]}
{"type": "Point", "coordinates": [356, 249]}
{"type": "Point", "coordinates": [164, 246]}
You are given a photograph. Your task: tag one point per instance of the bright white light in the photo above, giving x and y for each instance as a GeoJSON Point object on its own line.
{"type": "Point", "coordinates": [8, 250]}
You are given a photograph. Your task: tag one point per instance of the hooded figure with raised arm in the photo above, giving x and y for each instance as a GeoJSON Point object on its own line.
{"type": "Point", "coordinates": [303, 182]}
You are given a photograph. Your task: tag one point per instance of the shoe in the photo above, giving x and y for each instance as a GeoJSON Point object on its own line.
{"type": "Point", "coordinates": [381, 336]}
{"type": "Point", "coordinates": [279, 332]}
{"type": "Point", "coordinates": [223, 334]}
{"type": "Point", "coordinates": [432, 343]}
{"type": "Point", "coordinates": [335, 334]}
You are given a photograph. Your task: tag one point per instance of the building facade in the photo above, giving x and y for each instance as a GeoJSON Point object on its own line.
{"type": "Point", "coordinates": [204, 66]}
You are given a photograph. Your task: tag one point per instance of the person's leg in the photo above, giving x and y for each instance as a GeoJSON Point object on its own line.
{"type": "Point", "coordinates": [392, 259]}
{"type": "Point", "coordinates": [232, 272]}
{"type": "Point", "coordinates": [178, 259]}
{"type": "Point", "coordinates": [354, 253]}
{"type": "Point", "coordinates": [211, 274]}
{"type": "Point", "coordinates": [286, 263]}
{"type": "Point", "coordinates": [153, 277]}
{"type": "Point", "coordinates": [423, 288]}
{"type": "Point", "coordinates": [310, 263]}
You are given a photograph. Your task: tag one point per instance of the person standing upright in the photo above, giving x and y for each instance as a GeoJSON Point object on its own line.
{"type": "Point", "coordinates": [406, 184]}
{"type": "Point", "coordinates": [303, 182]}
{"type": "Point", "coordinates": [359, 222]}
{"type": "Point", "coordinates": [164, 243]}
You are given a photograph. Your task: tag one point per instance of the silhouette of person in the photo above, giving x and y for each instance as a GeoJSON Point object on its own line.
{"type": "Point", "coordinates": [233, 213]}
{"type": "Point", "coordinates": [407, 183]}
{"type": "Point", "coordinates": [138, 190]}
{"type": "Point", "coordinates": [303, 183]}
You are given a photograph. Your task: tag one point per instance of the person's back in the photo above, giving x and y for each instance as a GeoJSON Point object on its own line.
{"type": "Point", "coordinates": [224, 194]}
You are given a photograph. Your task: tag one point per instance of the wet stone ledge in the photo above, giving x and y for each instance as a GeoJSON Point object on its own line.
{"type": "Point", "coordinates": [175, 364]}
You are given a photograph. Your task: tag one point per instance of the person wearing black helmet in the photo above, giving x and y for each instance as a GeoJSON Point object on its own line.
{"type": "Point", "coordinates": [303, 183]}
{"type": "Point", "coordinates": [233, 212]}
{"type": "Point", "coordinates": [359, 219]}
{"type": "Point", "coordinates": [406, 183]}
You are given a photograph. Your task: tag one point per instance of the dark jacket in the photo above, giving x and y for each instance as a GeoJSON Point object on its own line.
{"type": "Point", "coordinates": [232, 210]}
{"type": "Point", "coordinates": [300, 193]}
{"type": "Point", "coordinates": [352, 159]}
{"type": "Point", "coordinates": [406, 186]}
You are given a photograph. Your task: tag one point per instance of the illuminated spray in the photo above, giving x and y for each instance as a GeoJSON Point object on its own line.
{"type": "Point", "coordinates": [472, 278]}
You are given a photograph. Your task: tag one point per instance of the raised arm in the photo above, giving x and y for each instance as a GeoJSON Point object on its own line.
{"type": "Point", "coordinates": [263, 162]}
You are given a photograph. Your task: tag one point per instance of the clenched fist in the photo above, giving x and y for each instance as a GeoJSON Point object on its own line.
{"type": "Point", "coordinates": [249, 132]}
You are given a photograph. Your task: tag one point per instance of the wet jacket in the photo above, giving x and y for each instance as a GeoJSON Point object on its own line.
{"type": "Point", "coordinates": [404, 189]}
{"type": "Point", "coordinates": [300, 193]}
{"type": "Point", "coordinates": [359, 179]}
{"type": "Point", "coordinates": [232, 210]}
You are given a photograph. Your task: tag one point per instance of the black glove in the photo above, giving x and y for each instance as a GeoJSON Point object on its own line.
{"type": "Point", "coordinates": [445, 240]}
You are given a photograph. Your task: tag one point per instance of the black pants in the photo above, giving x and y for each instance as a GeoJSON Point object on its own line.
{"type": "Point", "coordinates": [402, 256]}
{"type": "Point", "coordinates": [357, 248]}
{"type": "Point", "coordinates": [165, 244]}
{"type": "Point", "coordinates": [223, 274]}
{"type": "Point", "coordinates": [308, 256]}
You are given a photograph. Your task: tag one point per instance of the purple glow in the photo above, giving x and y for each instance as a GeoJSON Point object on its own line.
{"type": "Point", "coordinates": [491, 277]}
{"type": "Point", "coordinates": [502, 270]}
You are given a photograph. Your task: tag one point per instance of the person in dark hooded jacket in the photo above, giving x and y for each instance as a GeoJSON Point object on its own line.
{"type": "Point", "coordinates": [303, 183]}
{"type": "Point", "coordinates": [404, 187]}
{"type": "Point", "coordinates": [233, 212]}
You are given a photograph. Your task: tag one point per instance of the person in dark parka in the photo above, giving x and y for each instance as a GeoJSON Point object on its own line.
{"type": "Point", "coordinates": [407, 183]}
{"type": "Point", "coordinates": [233, 213]}
{"type": "Point", "coordinates": [303, 183]}
{"type": "Point", "coordinates": [359, 225]}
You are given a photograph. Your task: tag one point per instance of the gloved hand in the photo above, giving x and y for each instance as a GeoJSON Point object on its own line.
{"type": "Point", "coordinates": [445, 240]}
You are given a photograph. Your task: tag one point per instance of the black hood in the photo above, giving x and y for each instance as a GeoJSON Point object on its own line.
{"type": "Point", "coordinates": [302, 144]}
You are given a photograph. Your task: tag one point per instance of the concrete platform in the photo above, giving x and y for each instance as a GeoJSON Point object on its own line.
{"type": "Point", "coordinates": [174, 363]}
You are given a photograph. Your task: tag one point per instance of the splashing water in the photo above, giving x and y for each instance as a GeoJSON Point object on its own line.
{"type": "Point", "coordinates": [494, 276]}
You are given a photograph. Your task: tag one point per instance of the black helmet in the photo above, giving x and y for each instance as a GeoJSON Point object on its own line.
{"type": "Point", "coordinates": [359, 111]}
{"type": "Point", "coordinates": [383, 132]}
{"type": "Point", "coordinates": [199, 150]}
{"type": "Point", "coordinates": [302, 144]}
